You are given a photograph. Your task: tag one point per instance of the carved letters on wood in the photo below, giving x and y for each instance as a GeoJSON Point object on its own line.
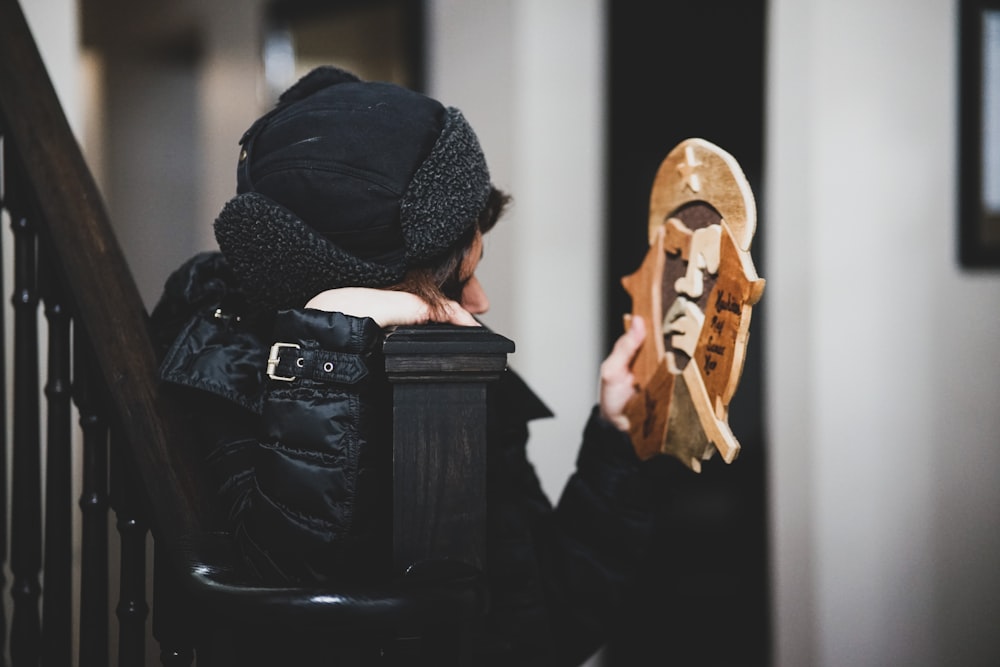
{"type": "Point", "coordinates": [695, 289]}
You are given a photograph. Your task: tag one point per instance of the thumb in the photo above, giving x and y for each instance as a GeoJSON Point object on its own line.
{"type": "Point", "coordinates": [619, 360]}
{"type": "Point", "coordinates": [637, 330]}
{"type": "Point", "coordinates": [629, 344]}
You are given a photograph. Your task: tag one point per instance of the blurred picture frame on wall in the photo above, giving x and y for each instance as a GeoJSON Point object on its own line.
{"type": "Point", "coordinates": [979, 134]}
{"type": "Point", "coordinates": [378, 40]}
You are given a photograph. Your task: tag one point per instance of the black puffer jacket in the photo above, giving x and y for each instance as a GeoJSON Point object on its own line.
{"type": "Point", "coordinates": [302, 467]}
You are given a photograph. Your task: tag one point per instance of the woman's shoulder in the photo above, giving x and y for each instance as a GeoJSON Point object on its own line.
{"type": "Point", "coordinates": [198, 334]}
{"type": "Point", "coordinates": [518, 400]}
{"type": "Point", "coordinates": [202, 280]}
{"type": "Point", "coordinates": [218, 356]}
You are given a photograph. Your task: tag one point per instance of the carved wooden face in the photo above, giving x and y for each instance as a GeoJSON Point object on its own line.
{"type": "Point", "coordinates": [696, 287]}
{"type": "Point", "coordinates": [688, 283]}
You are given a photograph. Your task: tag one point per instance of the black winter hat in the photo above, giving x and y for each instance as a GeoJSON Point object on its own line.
{"type": "Point", "coordinates": [348, 183]}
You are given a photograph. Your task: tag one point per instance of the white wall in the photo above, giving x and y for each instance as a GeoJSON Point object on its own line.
{"type": "Point", "coordinates": [165, 188]}
{"type": "Point", "coordinates": [883, 379]}
{"type": "Point", "coordinates": [54, 27]}
{"type": "Point", "coordinates": [231, 98]}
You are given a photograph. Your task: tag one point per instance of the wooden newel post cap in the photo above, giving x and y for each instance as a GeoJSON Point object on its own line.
{"type": "Point", "coordinates": [445, 353]}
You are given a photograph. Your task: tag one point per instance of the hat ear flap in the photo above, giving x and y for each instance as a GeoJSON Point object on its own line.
{"type": "Point", "coordinates": [317, 79]}
{"type": "Point", "coordinates": [447, 193]}
{"type": "Point", "coordinates": [282, 261]}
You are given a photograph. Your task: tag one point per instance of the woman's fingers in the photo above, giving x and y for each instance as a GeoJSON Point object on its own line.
{"type": "Point", "coordinates": [617, 381]}
{"type": "Point", "coordinates": [458, 315]}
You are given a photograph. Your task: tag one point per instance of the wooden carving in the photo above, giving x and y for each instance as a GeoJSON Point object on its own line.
{"type": "Point", "coordinates": [695, 290]}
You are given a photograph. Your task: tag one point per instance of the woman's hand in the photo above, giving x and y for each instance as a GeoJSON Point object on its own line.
{"type": "Point", "coordinates": [617, 382]}
{"type": "Point", "coordinates": [387, 307]}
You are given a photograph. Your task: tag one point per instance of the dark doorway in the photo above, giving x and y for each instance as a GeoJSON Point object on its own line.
{"type": "Point", "coordinates": [680, 70]}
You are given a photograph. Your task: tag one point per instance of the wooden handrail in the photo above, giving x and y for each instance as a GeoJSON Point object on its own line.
{"type": "Point", "coordinates": [74, 218]}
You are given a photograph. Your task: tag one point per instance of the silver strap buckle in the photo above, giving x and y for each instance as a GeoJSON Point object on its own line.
{"type": "Point", "coordinates": [273, 359]}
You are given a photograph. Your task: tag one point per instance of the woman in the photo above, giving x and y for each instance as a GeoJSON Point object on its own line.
{"type": "Point", "coordinates": [360, 206]}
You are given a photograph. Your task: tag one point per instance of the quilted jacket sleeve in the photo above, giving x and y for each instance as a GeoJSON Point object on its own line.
{"type": "Point", "coordinates": [600, 532]}
{"type": "Point", "coordinates": [321, 463]}
{"type": "Point", "coordinates": [561, 573]}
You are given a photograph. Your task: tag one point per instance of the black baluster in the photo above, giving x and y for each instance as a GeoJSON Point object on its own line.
{"type": "Point", "coordinates": [128, 501]}
{"type": "Point", "coordinates": [26, 511]}
{"type": "Point", "coordinates": [57, 601]}
{"type": "Point", "coordinates": [87, 387]}
{"type": "Point", "coordinates": [3, 418]}
{"type": "Point", "coordinates": [172, 624]}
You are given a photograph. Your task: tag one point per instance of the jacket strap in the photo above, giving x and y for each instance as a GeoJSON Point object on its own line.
{"type": "Point", "coordinates": [288, 362]}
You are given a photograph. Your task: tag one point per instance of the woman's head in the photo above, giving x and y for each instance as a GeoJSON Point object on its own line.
{"type": "Point", "coordinates": [352, 183]}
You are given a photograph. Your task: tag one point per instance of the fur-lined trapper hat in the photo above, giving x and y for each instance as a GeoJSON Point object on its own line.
{"type": "Point", "coordinates": [348, 183]}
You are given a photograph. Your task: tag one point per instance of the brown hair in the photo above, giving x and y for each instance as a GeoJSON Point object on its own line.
{"type": "Point", "coordinates": [442, 281]}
